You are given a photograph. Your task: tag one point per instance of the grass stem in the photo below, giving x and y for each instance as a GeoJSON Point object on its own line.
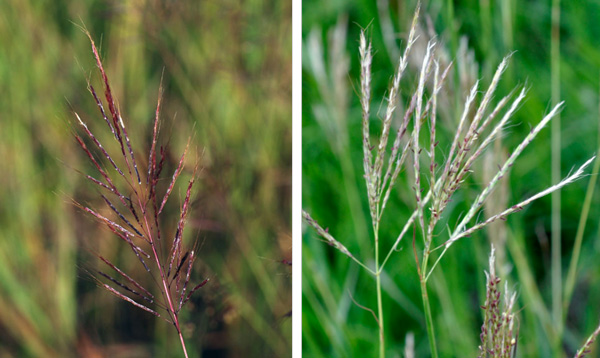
{"type": "Point", "coordinates": [183, 344]}
{"type": "Point", "coordinates": [585, 211]}
{"type": "Point", "coordinates": [379, 299]}
{"type": "Point", "coordinates": [556, 269]}
{"type": "Point", "coordinates": [426, 305]}
{"type": "Point", "coordinates": [380, 317]}
{"type": "Point", "coordinates": [428, 319]}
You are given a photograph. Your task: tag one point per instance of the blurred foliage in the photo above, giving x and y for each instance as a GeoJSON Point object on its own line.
{"type": "Point", "coordinates": [227, 79]}
{"type": "Point", "coordinates": [334, 190]}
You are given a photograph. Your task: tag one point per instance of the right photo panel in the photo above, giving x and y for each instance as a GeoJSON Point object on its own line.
{"type": "Point", "coordinates": [448, 178]}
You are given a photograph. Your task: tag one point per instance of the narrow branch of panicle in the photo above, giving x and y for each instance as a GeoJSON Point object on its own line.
{"type": "Point", "coordinates": [325, 234]}
{"type": "Point", "coordinates": [118, 126]}
{"type": "Point", "coordinates": [128, 278]}
{"type": "Point", "coordinates": [392, 98]}
{"type": "Point", "coordinates": [587, 346]}
{"type": "Point", "coordinates": [102, 111]}
{"type": "Point", "coordinates": [425, 70]}
{"type": "Point", "coordinates": [122, 217]}
{"type": "Point", "coordinates": [97, 142]}
{"type": "Point", "coordinates": [108, 95]}
{"type": "Point", "coordinates": [455, 142]}
{"type": "Point", "coordinates": [131, 155]}
{"type": "Point", "coordinates": [366, 58]}
{"type": "Point", "coordinates": [378, 185]}
{"type": "Point", "coordinates": [125, 298]}
{"type": "Point", "coordinates": [518, 207]}
{"type": "Point", "coordinates": [174, 178]}
{"type": "Point", "coordinates": [152, 169]}
{"type": "Point", "coordinates": [461, 164]}
{"type": "Point", "coordinates": [478, 203]}
{"type": "Point", "coordinates": [177, 242]}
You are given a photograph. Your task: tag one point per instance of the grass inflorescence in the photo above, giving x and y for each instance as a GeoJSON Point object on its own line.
{"type": "Point", "coordinates": [499, 331]}
{"type": "Point", "coordinates": [135, 204]}
{"type": "Point", "coordinates": [435, 173]}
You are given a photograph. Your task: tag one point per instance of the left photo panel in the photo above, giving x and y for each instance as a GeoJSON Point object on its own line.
{"type": "Point", "coordinates": [146, 178]}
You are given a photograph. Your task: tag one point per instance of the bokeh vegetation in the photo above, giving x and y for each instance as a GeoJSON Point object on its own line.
{"type": "Point", "coordinates": [477, 34]}
{"type": "Point", "coordinates": [227, 79]}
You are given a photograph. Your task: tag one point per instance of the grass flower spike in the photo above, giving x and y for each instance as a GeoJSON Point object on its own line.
{"type": "Point", "coordinates": [499, 332]}
{"type": "Point", "coordinates": [136, 208]}
{"type": "Point", "coordinates": [435, 174]}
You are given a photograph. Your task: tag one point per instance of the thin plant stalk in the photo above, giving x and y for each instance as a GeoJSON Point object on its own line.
{"type": "Point", "coordinates": [530, 290]}
{"type": "Point", "coordinates": [556, 267]}
{"type": "Point", "coordinates": [427, 306]}
{"type": "Point", "coordinates": [507, 13]}
{"type": "Point", "coordinates": [379, 298]}
{"type": "Point", "coordinates": [486, 23]}
{"type": "Point", "coordinates": [585, 210]}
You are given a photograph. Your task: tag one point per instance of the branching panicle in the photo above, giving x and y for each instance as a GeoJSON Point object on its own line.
{"type": "Point", "coordinates": [479, 125]}
{"type": "Point", "coordinates": [500, 326]}
{"type": "Point", "coordinates": [140, 231]}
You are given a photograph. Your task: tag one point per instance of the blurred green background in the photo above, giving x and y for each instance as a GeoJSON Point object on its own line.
{"type": "Point", "coordinates": [227, 79]}
{"type": "Point", "coordinates": [478, 33]}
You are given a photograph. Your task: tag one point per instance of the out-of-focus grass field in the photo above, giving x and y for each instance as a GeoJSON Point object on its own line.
{"type": "Point", "coordinates": [334, 189]}
{"type": "Point", "coordinates": [227, 79]}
